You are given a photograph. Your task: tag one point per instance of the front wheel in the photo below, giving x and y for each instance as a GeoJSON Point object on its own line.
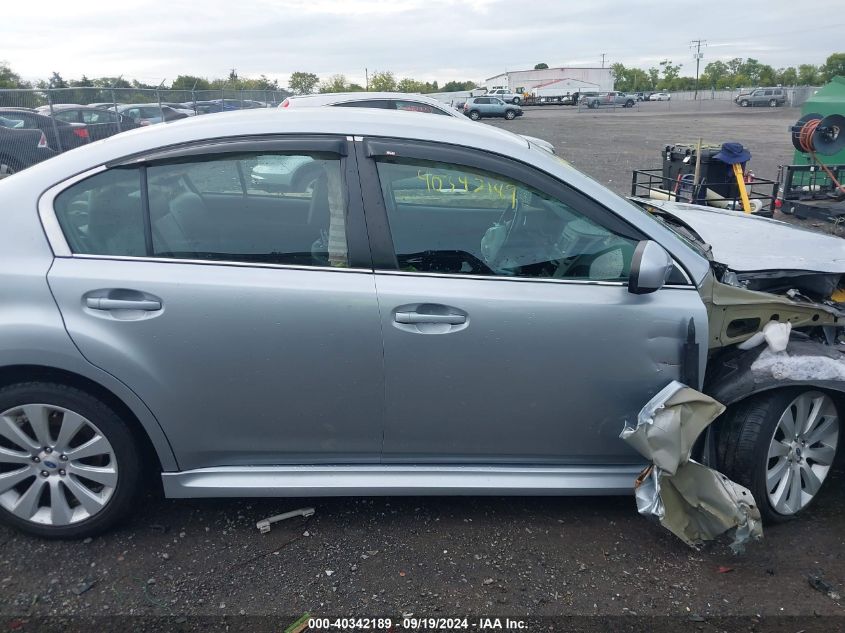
{"type": "Point", "coordinates": [517, 101]}
{"type": "Point", "coordinates": [773, 103]}
{"type": "Point", "coordinates": [510, 115]}
{"type": "Point", "coordinates": [744, 103]}
{"type": "Point", "coordinates": [475, 115]}
{"type": "Point", "coordinates": [780, 445]}
{"type": "Point", "coordinates": [69, 467]}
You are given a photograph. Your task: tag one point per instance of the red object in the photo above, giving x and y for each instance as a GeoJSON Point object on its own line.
{"type": "Point", "coordinates": [42, 142]}
{"type": "Point", "coordinates": [81, 132]}
{"type": "Point", "coordinates": [286, 103]}
{"type": "Point", "coordinates": [724, 570]}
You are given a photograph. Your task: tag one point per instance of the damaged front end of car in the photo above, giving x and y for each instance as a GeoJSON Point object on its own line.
{"type": "Point", "coordinates": [775, 299]}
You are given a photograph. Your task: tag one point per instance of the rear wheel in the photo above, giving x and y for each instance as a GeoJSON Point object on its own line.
{"type": "Point", "coordinates": [773, 103]}
{"type": "Point", "coordinates": [474, 115]}
{"type": "Point", "coordinates": [629, 103]}
{"type": "Point", "coordinates": [69, 467]}
{"type": "Point", "coordinates": [510, 115]}
{"type": "Point", "coordinates": [781, 446]}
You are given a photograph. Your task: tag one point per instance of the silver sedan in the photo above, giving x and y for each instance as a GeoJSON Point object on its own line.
{"type": "Point", "coordinates": [444, 309]}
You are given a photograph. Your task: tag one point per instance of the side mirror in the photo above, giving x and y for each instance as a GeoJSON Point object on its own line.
{"type": "Point", "coordinates": [651, 266]}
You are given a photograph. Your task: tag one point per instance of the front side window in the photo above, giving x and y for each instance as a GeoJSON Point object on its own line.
{"type": "Point", "coordinates": [68, 116]}
{"type": "Point", "coordinates": [416, 106]}
{"type": "Point", "coordinates": [453, 219]}
{"type": "Point", "coordinates": [277, 208]}
{"type": "Point", "coordinates": [382, 104]}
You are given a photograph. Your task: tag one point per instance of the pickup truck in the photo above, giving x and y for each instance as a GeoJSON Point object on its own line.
{"type": "Point", "coordinates": [505, 95]}
{"type": "Point", "coordinates": [611, 99]}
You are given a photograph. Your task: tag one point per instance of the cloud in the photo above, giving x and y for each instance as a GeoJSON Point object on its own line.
{"type": "Point", "coordinates": [425, 39]}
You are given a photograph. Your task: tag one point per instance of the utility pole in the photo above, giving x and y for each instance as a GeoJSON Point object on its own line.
{"type": "Point", "coordinates": [603, 55]}
{"type": "Point", "coordinates": [698, 57]}
{"type": "Point", "coordinates": [366, 80]}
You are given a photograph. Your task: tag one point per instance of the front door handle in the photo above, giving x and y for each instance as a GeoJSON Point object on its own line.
{"type": "Point", "coordinates": [418, 317]}
{"type": "Point", "coordinates": [102, 303]}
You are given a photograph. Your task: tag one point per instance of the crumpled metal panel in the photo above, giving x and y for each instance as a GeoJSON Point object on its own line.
{"type": "Point", "coordinates": [694, 502]}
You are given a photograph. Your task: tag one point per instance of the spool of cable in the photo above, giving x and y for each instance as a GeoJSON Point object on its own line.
{"type": "Point", "coordinates": [829, 135]}
{"type": "Point", "coordinates": [814, 134]}
{"type": "Point", "coordinates": [799, 126]}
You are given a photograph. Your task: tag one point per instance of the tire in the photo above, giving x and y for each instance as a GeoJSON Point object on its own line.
{"type": "Point", "coordinates": [516, 101]}
{"type": "Point", "coordinates": [752, 429]}
{"type": "Point", "coordinates": [744, 103]}
{"type": "Point", "coordinates": [107, 503]}
{"type": "Point", "coordinates": [475, 115]}
{"type": "Point", "coordinates": [773, 103]}
{"type": "Point", "coordinates": [510, 115]}
{"type": "Point", "coordinates": [629, 103]}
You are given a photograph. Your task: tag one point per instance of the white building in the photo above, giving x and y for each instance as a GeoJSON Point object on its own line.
{"type": "Point", "coordinates": [597, 79]}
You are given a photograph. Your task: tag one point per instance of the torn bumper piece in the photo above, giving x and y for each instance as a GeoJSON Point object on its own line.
{"type": "Point", "coordinates": [694, 502]}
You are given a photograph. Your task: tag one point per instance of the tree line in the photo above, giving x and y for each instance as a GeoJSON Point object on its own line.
{"type": "Point", "coordinates": [719, 75]}
{"type": "Point", "coordinates": [305, 83]}
{"type": "Point", "coordinates": [300, 83]}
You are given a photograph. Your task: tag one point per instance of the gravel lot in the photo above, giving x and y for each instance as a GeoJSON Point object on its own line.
{"type": "Point", "coordinates": [179, 565]}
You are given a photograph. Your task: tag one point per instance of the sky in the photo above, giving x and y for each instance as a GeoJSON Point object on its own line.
{"type": "Point", "coordinates": [157, 40]}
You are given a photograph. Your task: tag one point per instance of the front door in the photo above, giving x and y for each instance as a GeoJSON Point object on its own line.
{"type": "Point", "coordinates": [509, 332]}
{"type": "Point", "coordinates": [242, 310]}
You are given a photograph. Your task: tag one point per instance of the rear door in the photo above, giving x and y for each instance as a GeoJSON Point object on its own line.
{"type": "Point", "coordinates": [509, 332]}
{"type": "Point", "coordinates": [245, 318]}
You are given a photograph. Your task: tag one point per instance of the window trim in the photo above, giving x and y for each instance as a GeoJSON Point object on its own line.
{"type": "Point", "coordinates": [358, 249]}
{"type": "Point", "coordinates": [381, 240]}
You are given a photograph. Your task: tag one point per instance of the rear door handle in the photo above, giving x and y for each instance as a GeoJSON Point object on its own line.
{"type": "Point", "coordinates": [418, 317]}
{"type": "Point", "coordinates": [101, 303]}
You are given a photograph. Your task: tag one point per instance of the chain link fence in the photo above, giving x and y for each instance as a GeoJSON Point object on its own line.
{"type": "Point", "coordinates": [37, 124]}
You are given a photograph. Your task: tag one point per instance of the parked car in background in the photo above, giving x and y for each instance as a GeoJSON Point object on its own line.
{"type": "Point", "coordinates": [609, 99]}
{"type": "Point", "coordinates": [179, 107]}
{"type": "Point", "coordinates": [203, 107]}
{"type": "Point", "coordinates": [101, 123]}
{"type": "Point", "coordinates": [391, 101]}
{"type": "Point", "coordinates": [505, 95]}
{"type": "Point", "coordinates": [480, 107]}
{"type": "Point", "coordinates": [21, 148]}
{"type": "Point", "coordinates": [660, 96]}
{"type": "Point", "coordinates": [105, 104]}
{"type": "Point", "coordinates": [149, 114]}
{"type": "Point", "coordinates": [431, 257]}
{"type": "Point", "coordinates": [641, 96]}
{"type": "Point", "coordinates": [772, 97]}
{"type": "Point", "coordinates": [61, 136]}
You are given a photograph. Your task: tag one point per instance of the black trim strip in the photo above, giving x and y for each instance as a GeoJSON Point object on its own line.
{"type": "Point", "coordinates": [238, 145]}
{"type": "Point", "coordinates": [145, 210]}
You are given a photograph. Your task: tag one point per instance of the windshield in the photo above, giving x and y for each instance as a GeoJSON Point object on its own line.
{"type": "Point", "coordinates": [687, 235]}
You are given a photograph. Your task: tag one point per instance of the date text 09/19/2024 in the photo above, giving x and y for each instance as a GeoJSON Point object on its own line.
{"type": "Point", "coordinates": [417, 624]}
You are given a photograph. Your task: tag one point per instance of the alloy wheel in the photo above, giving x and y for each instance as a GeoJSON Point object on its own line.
{"type": "Point", "coordinates": [56, 467]}
{"type": "Point", "coordinates": [801, 451]}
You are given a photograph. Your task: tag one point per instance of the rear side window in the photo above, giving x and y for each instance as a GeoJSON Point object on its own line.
{"type": "Point", "coordinates": [102, 215]}
{"type": "Point", "coordinates": [276, 208]}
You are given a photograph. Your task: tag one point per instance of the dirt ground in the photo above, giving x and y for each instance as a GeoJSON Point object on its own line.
{"type": "Point", "coordinates": [573, 564]}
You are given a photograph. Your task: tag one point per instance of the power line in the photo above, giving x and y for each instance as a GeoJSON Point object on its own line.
{"type": "Point", "coordinates": [698, 56]}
